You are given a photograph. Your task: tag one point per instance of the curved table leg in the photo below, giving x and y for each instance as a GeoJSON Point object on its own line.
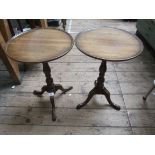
{"type": "Point", "coordinates": [90, 95]}
{"type": "Point", "coordinates": [107, 95]}
{"type": "Point", "coordinates": [60, 87]}
{"type": "Point", "coordinates": [39, 93]}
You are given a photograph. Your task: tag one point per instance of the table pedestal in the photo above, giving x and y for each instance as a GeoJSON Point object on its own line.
{"type": "Point", "coordinates": [51, 88]}
{"type": "Point", "coordinates": [99, 88]}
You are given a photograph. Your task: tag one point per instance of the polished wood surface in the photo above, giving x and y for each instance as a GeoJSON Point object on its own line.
{"type": "Point", "coordinates": [39, 45]}
{"type": "Point", "coordinates": [109, 44]}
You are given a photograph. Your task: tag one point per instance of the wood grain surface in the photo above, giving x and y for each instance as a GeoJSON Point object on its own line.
{"type": "Point", "coordinates": [109, 44]}
{"type": "Point", "coordinates": [39, 45]}
{"type": "Point", "coordinates": [128, 81]}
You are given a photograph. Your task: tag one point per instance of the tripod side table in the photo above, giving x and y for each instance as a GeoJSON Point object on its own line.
{"type": "Point", "coordinates": [41, 46]}
{"type": "Point", "coordinates": [107, 44]}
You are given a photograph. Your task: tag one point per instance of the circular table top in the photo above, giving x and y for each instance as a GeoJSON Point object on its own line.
{"type": "Point", "coordinates": [39, 45]}
{"type": "Point", "coordinates": [109, 44]}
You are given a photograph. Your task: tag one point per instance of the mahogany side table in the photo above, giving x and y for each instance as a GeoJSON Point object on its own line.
{"type": "Point", "coordinates": [107, 44]}
{"type": "Point", "coordinates": [42, 46]}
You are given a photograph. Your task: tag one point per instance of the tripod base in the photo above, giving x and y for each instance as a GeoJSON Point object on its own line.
{"type": "Point", "coordinates": [51, 88]}
{"type": "Point", "coordinates": [51, 94]}
{"type": "Point", "coordinates": [99, 89]}
{"type": "Point", "coordinates": [96, 91]}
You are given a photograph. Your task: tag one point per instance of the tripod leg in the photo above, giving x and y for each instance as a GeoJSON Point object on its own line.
{"type": "Point", "coordinates": [60, 87]}
{"type": "Point", "coordinates": [53, 108]}
{"type": "Point", "coordinates": [90, 95]}
{"type": "Point", "coordinates": [39, 93]}
{"type": "Point", "coordinates": [107, 95]}
{"type": "Point", "coordinates": [145, 97]}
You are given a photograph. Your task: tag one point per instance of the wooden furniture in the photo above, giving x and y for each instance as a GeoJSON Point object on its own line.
{"type": "Point", "coordinates": [43, 23]}
{"type": "Point", "coordinates": [42, 46]}
{"type": "Point", "coordinates": [11, 65]}
{"type": "Point", "coordinates": [107, 44]}
{"type": "Point", "coordinates": [4, 28]}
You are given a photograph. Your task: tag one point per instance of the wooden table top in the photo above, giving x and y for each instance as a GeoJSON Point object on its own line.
{"type": "Point", "coordinates": [109, 44]}
{"type": "Point", "coordinates": [39, 45]}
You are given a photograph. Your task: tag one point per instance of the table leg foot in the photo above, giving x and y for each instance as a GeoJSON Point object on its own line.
{"type": "Point", "coordinates": [144, 98]}
{"type": "Point", "coordinates": [115, 106]}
